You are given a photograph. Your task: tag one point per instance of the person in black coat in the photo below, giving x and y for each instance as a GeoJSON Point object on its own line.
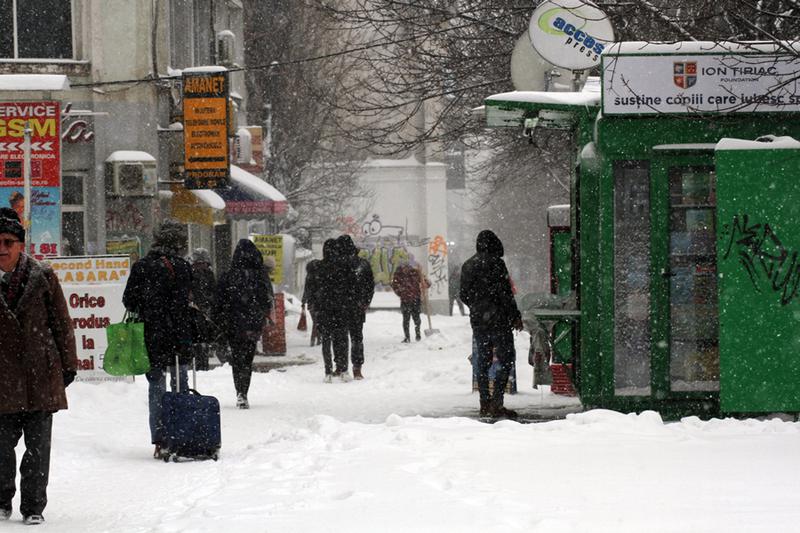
{"type": "Point", "coordinates": [359, 299]}
{"type": "Point", "coordinates": [204, 287]}
{"type": "Point", "coordinates": [244, 298]}
{"type": "Point", "coordinates": [158, 290]}
{"type": "Point", "coordinates": [335, 300]}
{"type": "Point", "coordinates": [486, 289]}
{"type": "Point", "coordinates": [309, 292]}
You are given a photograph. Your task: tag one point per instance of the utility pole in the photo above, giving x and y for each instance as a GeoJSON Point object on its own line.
{"type": "Point", "coordinates": [26, 181]}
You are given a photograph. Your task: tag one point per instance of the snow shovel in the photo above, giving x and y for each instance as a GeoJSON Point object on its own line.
{"type": "Point", "coordinates": [430, 331]}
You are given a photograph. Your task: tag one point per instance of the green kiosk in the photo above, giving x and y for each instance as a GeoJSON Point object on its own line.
{"type": "Point", "coordinates": [684, 224]}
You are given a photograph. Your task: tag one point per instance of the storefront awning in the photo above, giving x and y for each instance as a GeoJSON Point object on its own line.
{"type": "Point", "coordinates": [249, 196]}
{"type": "Point", "coordinates": [194, 206]}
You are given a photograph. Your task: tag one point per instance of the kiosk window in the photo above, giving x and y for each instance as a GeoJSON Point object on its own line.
{"type": "Point", "coordinates": [632, 334]}
{"type": "Point", "coordinates": [694, 318]}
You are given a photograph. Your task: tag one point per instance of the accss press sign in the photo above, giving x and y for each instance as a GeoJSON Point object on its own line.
{"type": "Point", "coordinates": [570, 33]}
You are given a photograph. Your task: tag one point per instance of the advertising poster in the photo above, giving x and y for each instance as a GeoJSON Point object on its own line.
{"type": "Point", "coordinates": [205, 123]}
{"type": "Point", "coordinates": [45, 202]}
{"type": "Point", "coordinates": [93, 288]}
{"type": "Point", "coordinates": [271, 246]}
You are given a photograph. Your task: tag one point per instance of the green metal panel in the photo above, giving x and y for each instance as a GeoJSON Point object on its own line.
{"type": "Point", "coordinates": [758, 199]}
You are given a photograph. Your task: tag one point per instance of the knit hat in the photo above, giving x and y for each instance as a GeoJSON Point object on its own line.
{"type": "Point", "coordinates": [9, 223]}
{"type": "Point", "coordinates": [171, 236]}
{"type": "Point", "coordinates": [201, 255]}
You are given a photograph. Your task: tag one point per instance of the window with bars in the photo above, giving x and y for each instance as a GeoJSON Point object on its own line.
{"type": "Point", "coordinates": [36, 29]}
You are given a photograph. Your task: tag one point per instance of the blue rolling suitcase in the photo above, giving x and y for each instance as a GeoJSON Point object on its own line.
{"type": "Point", "coordinates": [191, 424]}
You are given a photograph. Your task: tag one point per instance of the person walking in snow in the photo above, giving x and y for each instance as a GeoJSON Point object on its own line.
{"type": "Point", "coordinates": [204, 286]}
{"type": "Point", "coordinates": [334, 300]}
{"type": "Point", "coordinates": [486, 289]}
{"type": "Point", "coordinates": [453, 288]}
{"type": "Point", "coordinates": [38, 361]}
{"type": "Point", "coordinates": [244, 299]}
{"type": "Point", "coordinates": [359, 299]}
{"type": "Point", "coordinates": [159, 291]}
{"type": "Point", "coordinates": [408, 282]}
{"type": "Point", "coordinates": [309, 301]}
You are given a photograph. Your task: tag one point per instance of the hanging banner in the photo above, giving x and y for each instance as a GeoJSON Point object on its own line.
{"type": "Point", "coordinates": [205, 128]}
{"type": "Point", "coordinates": [93, 288]}
{"type": "Point", "coordinates": [686, 83]}
{"type": "Point", "coordinates": [44, 119]}
{"type": "Point", "coordinates": [271, 246]}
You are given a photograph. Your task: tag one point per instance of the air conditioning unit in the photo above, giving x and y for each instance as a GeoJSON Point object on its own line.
{"type": "Point", "coordinates": [226, 48]}
{"type": "Point", "coordinates": [130, 178]}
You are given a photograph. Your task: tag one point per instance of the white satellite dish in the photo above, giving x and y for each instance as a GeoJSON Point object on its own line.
{"type": "Point", "coordinates": [570, 33]}
{"type": "Point", "coordinates": [530, 72]}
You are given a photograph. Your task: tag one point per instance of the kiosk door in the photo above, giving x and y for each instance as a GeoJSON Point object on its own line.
{"type": "Point", "coordinates": [759, 284]}
{"type": "Point", "coordinates": [685, 310]}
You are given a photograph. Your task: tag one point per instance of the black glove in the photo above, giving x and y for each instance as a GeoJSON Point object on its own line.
{"type": "Point", "coordinates": [69, 377]}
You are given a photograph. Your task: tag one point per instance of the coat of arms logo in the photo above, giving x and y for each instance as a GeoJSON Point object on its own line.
{"type": "Point", "coordinates": [684, 73]}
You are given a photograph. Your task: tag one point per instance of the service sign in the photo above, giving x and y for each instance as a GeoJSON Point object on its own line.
{"type": "Point", "coordinates": [700, 83]}
{"type": "Point", "coordinates": [44, 120]}
{"type": "Point", "coordinates": [93, 288]}
{"type": "Point", "coordinates": [205, 129]}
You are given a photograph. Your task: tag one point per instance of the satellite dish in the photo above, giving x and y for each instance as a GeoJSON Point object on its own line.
{"type": "Point", "coordinates": [530, 72]}
{"type": "Point", "coordinates": [570, 33]}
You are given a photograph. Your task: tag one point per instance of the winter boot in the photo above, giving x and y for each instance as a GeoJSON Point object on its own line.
{"type": "Point", "coordinates": [406, 340]}
{"type": "Point", "coordinates": [497, 410]}
{"type": "Point", "coordinates": [484, 412]}
{"type": "Point", "coordinates": [33, 520]}
{"type": "Point", "coordinates": [328, 378]}
{"type": "Point", "coordinates": [357, 372]}
{"type": "Point", "coordinates": [241, 401]}
{"type": "Point", "coordinates": [159, 453]}
{"type": "Point", "coordinates": [5, 514]}
{"type": "Point", "coordinates": [418, 336]}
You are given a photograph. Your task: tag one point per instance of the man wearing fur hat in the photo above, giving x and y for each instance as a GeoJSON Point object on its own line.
{"type": "Point", "coordinates": [38, 361]}
{"type": "Point", "coordinates": [158, 290]}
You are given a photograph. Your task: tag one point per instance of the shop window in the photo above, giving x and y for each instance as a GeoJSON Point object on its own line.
{"type": "Point", "coordinates": [73, 215]}
{"type": "Point", "coordinates": [36, 29]}
{"type": "Point", "coordinates": [632, 333]}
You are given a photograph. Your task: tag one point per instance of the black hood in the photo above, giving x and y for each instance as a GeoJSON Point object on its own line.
{"type": "Point", "coordinates": [330, 250]}
{"type": "Point", "coordinates": [489, 243]}
{"type": "Point", "coordinates": [247, 255]}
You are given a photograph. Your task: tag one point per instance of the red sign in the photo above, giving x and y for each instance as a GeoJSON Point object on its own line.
{"type": "Point", "coordinates": [44, 121]}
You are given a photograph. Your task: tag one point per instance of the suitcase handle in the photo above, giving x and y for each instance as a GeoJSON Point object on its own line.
{"type": "Point", "coordinates": [178, 375]}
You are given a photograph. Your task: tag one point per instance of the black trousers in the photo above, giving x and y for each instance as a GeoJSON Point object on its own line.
{"type": "Point", "coordinates": [355, 328]}
{"type": "Point", "coordinates": [35, 468]}
{"type": "Point", "coordinates": [410, 310]}
{"type": "Point", "coordinates": [243, 350]}
{"type": "Point", "coordinates": [336, 337]}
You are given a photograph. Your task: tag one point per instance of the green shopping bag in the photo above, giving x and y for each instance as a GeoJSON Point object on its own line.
{"type": "Point", "coordinates": [126, 354]}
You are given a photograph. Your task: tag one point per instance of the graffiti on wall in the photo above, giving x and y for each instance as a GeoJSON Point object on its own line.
{"type": "Point", "coordinates": [384, 260]}
{"type": "Point", "coordinates": [437, 264]}
{"type": "Point", "coordinates": [763, 256]}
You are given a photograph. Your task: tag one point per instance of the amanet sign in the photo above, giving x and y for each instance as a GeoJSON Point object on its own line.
{"type": "Point", "coordinates": [700, 83]}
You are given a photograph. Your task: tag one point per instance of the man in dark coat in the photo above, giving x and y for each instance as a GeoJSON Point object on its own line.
{"type": "Point", "coordinates": [158, 291]}
{"type": "Point", "coordinates": [244, 298]}
{"type": "Point", "coordinates": [360, 298]}
{"type": "Point", "coordinates": [486, 289]}
{"type": "Point", "coordinates": [408, 284]}
{"type": "Point", "coordinates": [38, 360]}
{"type": "Point", "coordinates": [309, 294]}
{"type": "Point", "coordinates": [335, 301]}
{"type": "Point", "coordinates": [204, 287]}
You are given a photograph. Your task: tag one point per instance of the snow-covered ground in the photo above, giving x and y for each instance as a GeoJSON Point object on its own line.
{"type": "Point", "coordinates": [384, 455]}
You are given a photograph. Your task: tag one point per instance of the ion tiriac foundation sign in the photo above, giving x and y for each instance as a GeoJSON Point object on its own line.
{"type": "Point", "coordinates": [570, 33]}
{"type": "Point", "coordinates": [641, 78]}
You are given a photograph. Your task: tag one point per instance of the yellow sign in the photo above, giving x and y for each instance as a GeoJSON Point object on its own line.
{"type": "Point", "coordinates": [205, 130]}
{"type": "Point", "coordinates": [271, 246]}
